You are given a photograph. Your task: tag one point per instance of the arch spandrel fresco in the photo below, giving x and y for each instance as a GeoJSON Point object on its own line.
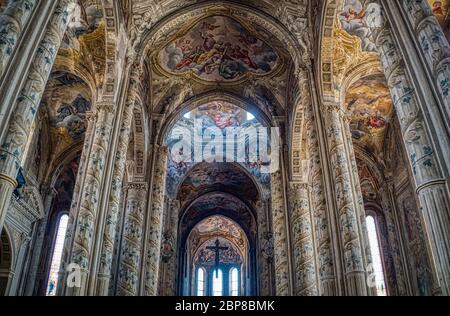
{"type": "Point", "coordinates": [218, 49]}
{"type": "Point", "coordinates": [441, 11]}
{"type": "Point", "coordinates": [369, 104]}
{"type": "Point", "coordinates": [354, 19]}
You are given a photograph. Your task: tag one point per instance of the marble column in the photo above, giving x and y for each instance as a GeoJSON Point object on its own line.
{"type": "Point", "coordinates": [87, 214]}
{"type": "Point", "coordinates": [12, 23]}
{"type": "Point", "coordinates": [112, 213]}
{"type": "Point", "coordinates": [433, 44]}
{"type": "Point", "coordinates": [302, 236]}
{"type": "Point", "coordinates": [427, 155]}
{"type": "Point", "coordinates": [349, 209]}
{"type": "Point", "coordinates": [131, 247]}
{"type": "Point", "coordinates": [282, 274]}
{"type": "Point", "coordinates": [26, 106]}
{"type": "Point", "coordinates": [155, 222]}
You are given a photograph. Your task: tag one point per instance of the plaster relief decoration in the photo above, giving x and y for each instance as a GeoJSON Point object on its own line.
{"type": "Point", "coordinates": [369, 104]}
{"type": "Point", "coordinates": [218, 48]}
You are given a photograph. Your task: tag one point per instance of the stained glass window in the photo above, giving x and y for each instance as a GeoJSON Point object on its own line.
{"type": "Point", "coordinates": [378, 273]}
{"type": "Point", "coordinates": [218, 283]}
{"type": "Point", "coordinates": [57, 255]}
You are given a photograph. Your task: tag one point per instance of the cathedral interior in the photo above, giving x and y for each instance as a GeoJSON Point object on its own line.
{"type": "Point", "coordinates": [102, 192]}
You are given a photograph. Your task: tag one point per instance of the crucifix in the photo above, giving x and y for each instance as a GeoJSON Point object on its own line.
{"type": "Point", "coordinates": [217, 248]}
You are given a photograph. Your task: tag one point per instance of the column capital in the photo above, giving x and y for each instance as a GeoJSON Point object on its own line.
{"type": "Point", "coordinates": [140, 186]}
{"type": "Point", "coordinates": [106, 107]}
{"type": "Point", "coordinates": [332, 107]}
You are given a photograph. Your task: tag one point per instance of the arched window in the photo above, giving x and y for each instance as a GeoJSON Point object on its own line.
{"type": "Point", "coordinates": [218, 283]}
{"type": "Point", "coordinates": [57, 255]}
{"type": "Point", "coordinates": [234, 282]}
{"type": "Point", "coordinates": [378, 271]}
{"type": "Point", "coordinates": [201, 282]}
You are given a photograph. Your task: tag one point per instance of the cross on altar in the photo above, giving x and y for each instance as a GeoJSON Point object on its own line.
{"type": "Point", "coordinates": [217, 248]}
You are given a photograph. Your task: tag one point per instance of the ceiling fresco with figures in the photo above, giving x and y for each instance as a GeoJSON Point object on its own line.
{"type": "Point", "coordinates": [220, 228]}
{"type": "Point", "coordinates": [369, 104]}
{"type": "Point", "coordinates": [67, 100]}
{"type": "Point", "coordinates": [181, 142]}
{"type": "Point", "coordinates": [218, 48]}
{"type": "Point", "coordinates": [353, 21]}
{"type": "Point", "coordinates": [84, 44]}
{"type": "Point", "coordinates": [441, 11]}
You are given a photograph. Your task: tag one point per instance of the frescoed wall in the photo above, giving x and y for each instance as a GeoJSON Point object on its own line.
{"type": "Point", "coordinates": [370, 107]}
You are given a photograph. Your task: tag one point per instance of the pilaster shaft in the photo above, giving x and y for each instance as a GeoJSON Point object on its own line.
{"type": "Point", "coordinates": [131, 248]}
{"type": "Point", "coordinates": [12, 22]}
{"type": "Point", "coordinates": [112, 213]}
{"type": "Point", "coordinates": [282, 275]}
{"type": "Point", "coordinates": [326, 261]}
{"type": "Point", "coordinates": [349, 209]}
{"type": "Point", "coordinates": [303, 247]}
{"type": "Point", "coordinates": [434, 46]}
{"type": "Point", "coordinates": [155, 223]}
{"type": "Point", "coordinates": [87, 214]}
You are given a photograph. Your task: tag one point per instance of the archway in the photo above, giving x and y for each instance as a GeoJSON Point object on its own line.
{"type": "Point", "coordinates": [217, 244]}
{"type": "Point", "coordinates": [200, 190]}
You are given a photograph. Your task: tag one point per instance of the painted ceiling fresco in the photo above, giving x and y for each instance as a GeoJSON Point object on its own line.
{"type": "Point", "coordinates": [219, 176]}
{"type": "Point", "coordinates": [219, 48]}
{"type": "Point", "coordinates": [369, 104]}
{"type": "Point", "coordinates": [208, 231]}
{"type": "Point", "coordinates": [67, 101]}
{"type": "Point", "coordinates": [219, 115]}
{"type": "Point", "coordinates": [441, 11]}
{"type": "Point", "coordinates": [219, 203]}
{"type": "Point", "coordinates": [86, 18]}
{"type": "Point", "coordinates": [353, 19]}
